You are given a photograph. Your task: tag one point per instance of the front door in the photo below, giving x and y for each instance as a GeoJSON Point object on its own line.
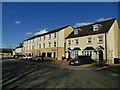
{"type": "Point", "coordinates": [54, 55]}
{"type": "Point", "coordinates": [43, 54]}
{"type": "Point", "coordinates": [101, 56]}
{"type": "Point", "coordinates": [49, 55]}
{"type": "Point", "coordinates": [69, 55]}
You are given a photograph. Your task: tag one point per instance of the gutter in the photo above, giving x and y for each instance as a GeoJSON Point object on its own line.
{"type": "Point", "coordinates": [106, 47]}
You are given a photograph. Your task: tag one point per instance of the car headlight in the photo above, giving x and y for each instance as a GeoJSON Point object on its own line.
{"type": "Point", "coordinates": [76, 61]}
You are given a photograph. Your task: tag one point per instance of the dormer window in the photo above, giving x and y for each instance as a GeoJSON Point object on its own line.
{"type": "Point", "coordinates": [96, 27]}
{"type": "Point", "coordinates": [77, 31]}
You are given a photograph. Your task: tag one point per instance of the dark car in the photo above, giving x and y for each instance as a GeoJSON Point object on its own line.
{"type": "Point", "coordinates": [79, 60]}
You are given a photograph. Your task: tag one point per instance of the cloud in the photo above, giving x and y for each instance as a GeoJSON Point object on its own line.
{"type": "Point", "coordinates": [41, 31]}
{"type": "Point", "coordinates": [28, 33]}
{"type": "Point", "coordinates": [17, 22]}
{"type": "Point", "coordinates": [102, 19]}
{"type": "Point", "coordinates": [82, 24]}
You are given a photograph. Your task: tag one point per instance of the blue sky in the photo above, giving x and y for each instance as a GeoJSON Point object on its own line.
{"type": "Point", "coordinates": [23, 20]}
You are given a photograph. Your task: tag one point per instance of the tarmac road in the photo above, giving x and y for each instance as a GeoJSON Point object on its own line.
{"type": "Point", "coordinates": [27, 74]}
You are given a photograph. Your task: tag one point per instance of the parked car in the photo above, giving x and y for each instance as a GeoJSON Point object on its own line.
{"type": "Point", "coordinates": [38, 58]}
{"type": "Point", "coordinates": [17, 56]}
{"type": "Point", "coordinates": [28, 57]}
{"type": "Point", "coordinates": [81, 60]}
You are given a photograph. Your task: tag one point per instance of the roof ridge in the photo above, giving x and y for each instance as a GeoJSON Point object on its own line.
{"type": "Point", "coordinates": [48, 32]}
{"type": "Point", "coordinates": [97, 22]}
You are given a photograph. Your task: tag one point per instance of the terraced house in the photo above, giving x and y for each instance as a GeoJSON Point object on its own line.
{"type": "Point", "coordinates": [51, 44]}
{"type": "Point", "coordinates": [100, 40]}
{"type": "Point", "coordinates": [18, 49]}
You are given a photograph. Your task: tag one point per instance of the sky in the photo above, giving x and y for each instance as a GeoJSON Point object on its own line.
{"type": "Point", "coordinates": [22, 20]}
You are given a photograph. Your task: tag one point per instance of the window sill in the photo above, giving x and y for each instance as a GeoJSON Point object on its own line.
{"type": "Point", "coordinates": [89, 43]}
{"type": "Point", "coordinates": [100, 42]}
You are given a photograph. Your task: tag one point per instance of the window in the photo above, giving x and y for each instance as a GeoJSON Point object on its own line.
{"type": "Point", "coordinates": [100, 39]}
{"type": "Point", "coordinates": [76, 41]}
{"type": "Point", "coordinates": [96, 27]}
{"type": "Point", "coordinates": [40, 38]}
{"type": "Point", "coordinates": [39, 45]}
{"type": "Point", "coordinates": [54, 35]}
{"type": "Point", "coordinates": [88, 52]}
{"type": "Point", "coordinates": [32, 47]}
{"type": "Point", "coordinates": [76, 31]}
{"type": "Point", "coordinates": [49, 44]}
{"type": "Point", "coordinates": [26, 48]}
{"type": "Point", "coordinates": [89, 40]}
{"type": "Point", "coordinates": [29, 47]}
{"type": "Point", "coordinates": [69, 42]}
{"type": "Point", "coordinates": [54, 44]}
{"type": "Point", "coordinates": [50, 36]}
{"type": "Point", "coordinates": [76, 53]}
{"type": "Point", "coordinates": [44, 37]}
{"type": "Point", "coordinates": [43, 45]}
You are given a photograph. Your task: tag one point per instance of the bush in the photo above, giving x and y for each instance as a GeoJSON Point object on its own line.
{"type": "Point", "coordinates": [20, 58]}
{"type": "Point", "coordinates": [49, 59]}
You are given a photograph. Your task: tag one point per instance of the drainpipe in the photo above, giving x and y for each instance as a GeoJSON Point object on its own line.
{"type": "Point", "coordinates": [106, 47]}
{"type": "Point", "coordinates": [57, 45]}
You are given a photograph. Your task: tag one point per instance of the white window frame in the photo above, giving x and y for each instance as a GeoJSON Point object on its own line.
{"type": "Point", "coordinates": [89, 40]}
{"type": "Point", "coordinates": [49, 44]}
{"type": "Point", "coordinates": [88, 52]}
{"type": "Point", "coordinates": [32, 47]}
{"type": "Point", "coordinates": [54, 43]}
{"type": "Point", "coordinates": [76, 31]}
{"type": "Point", "coordinates": [95, 27]}
{"type": "Point", "coordinates": [49, 36]}
{"type": "Point", "coordinates": [39, 45]}
{"type": "Point", "coordinates": [55, 35]}
{"type": "Point", "coordinates": [69, 42]}
{"type": "Point", "coordinates": [100, 39]}
{"type": "Point", "coordinates": [43, 45]}
{"type": "Point", "coordinates": [33, 41]}
{"type": "Point", "coordinates": [40, 38]}
{"type": "Point", "coordinates": [43, 37]}
{"type": "Point", "coordinates": [76, 41]}
{"type": "Point", "coordinates": [29, 47]}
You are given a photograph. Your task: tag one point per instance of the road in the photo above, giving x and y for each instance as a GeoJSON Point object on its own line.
{"type": "Point", "coordinates": [27, 74]}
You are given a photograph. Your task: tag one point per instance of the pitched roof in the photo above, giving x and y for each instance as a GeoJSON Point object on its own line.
{"type": "Point", "coordinates": [76, 48]}
{"type": "Point", "coordinates": [88, 29]}
{"type": "Point", "coordinates": [19, 47]}
{"type": "Point", "coordinates": [56, 30]}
